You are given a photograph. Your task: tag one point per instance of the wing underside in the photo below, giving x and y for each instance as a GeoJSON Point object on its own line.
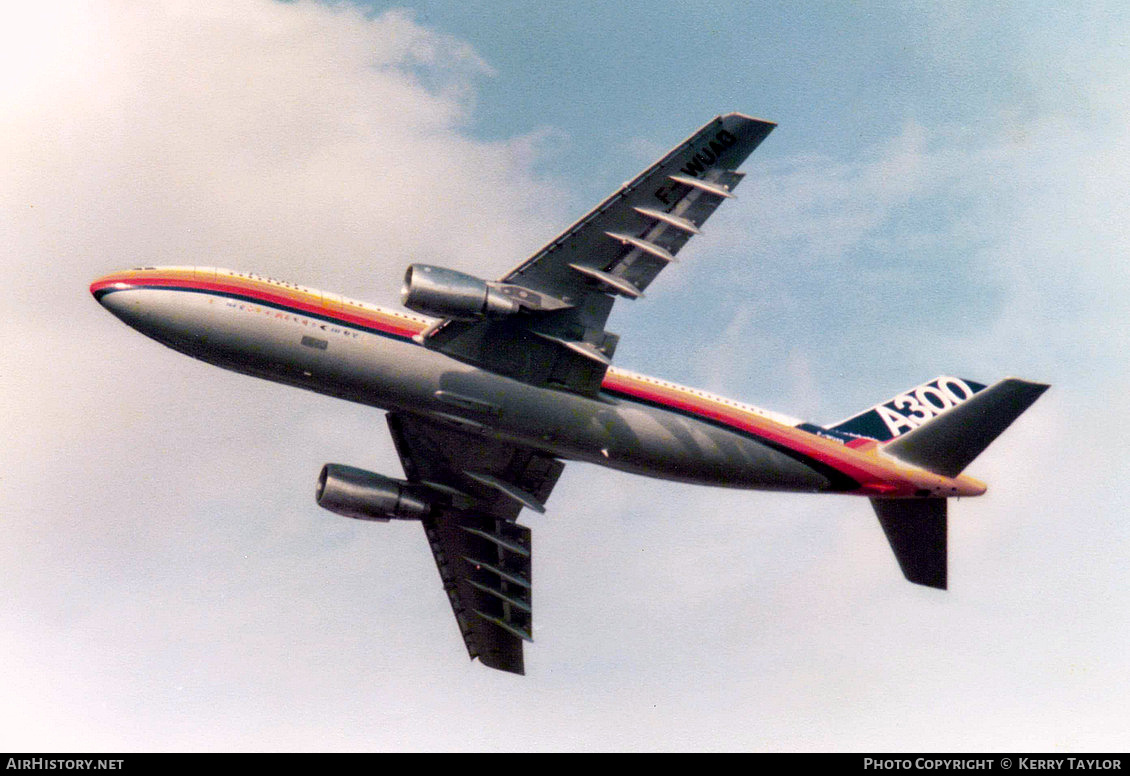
{"type": "Point", "coordinates": [483, 555]}
{"type": "Point", "coordinates": [484, 563]}
{"type": "Point", "coordinates": [617, 249]}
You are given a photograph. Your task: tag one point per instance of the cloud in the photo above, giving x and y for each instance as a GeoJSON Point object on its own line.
{"type": "Point", "coordinates": [306, 138]}
{"type": "Point", "coordinates": [306, 141]}
{"type": "Point", "coordinates": [155, 524]}
{"type": "Point", "coordinates": [171, 584]}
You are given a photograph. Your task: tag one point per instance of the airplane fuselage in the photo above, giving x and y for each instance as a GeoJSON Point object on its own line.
{"type": "Point", "coordinates": [362, 353]}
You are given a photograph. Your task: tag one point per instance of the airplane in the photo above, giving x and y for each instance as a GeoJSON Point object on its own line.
{"type": "Point", "coordinates": [489, 386]}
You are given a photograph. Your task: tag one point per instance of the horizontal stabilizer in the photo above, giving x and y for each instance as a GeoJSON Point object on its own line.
{"type": "Point", "coordinates": [949, 442]}
{"type": "Point", "coordinates": [917, 533]}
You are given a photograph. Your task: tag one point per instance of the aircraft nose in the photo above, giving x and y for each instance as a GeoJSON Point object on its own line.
{"type": "Point", "coordinates": [130, 303]}
{"type": "Point", "coordinates": [148, 301]}
{"type": "Point", "coordinates": [106, 292]}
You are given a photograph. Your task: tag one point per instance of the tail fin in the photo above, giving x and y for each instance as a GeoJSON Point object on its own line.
{"type": "Point", "coordinates": [944, 444]}
{"type": "Point", "coordinates": [909, 409]}
{"type": "Point", "coordinates": [917, 532]}
{"type": "Point", "coordinates": [949, 442]}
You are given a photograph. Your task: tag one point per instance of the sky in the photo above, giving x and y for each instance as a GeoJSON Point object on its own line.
{"type": "Point", "coordinates": [945, 193]}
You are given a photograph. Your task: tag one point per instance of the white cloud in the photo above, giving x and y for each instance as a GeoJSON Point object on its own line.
{"type": "Point", "coordinates": [171, 585]}
{"type": "Point", "coordinates": [297, 138]}
{"type": "Point", "coordinates": [165, 559]}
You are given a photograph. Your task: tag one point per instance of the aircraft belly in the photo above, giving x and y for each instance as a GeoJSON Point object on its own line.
{"type": "Point", "coordinates": [653, 442]}
{"type": "Point", "coordinates": [621, 435]}
{"type": "Point", "coordinates": [394, 373]}
{"type": "Point", "coordinates": [386, 372]}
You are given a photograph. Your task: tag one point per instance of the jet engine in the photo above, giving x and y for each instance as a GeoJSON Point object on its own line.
{"type": "Point", "coordinates": [362, 495]}
{"type": "Point", "coordinates": [445, 293]}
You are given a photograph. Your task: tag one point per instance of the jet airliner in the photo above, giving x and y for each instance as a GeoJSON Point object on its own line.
{"type": "Point", "coordinates": [490, 386]}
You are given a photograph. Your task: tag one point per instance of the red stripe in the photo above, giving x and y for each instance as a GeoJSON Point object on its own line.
{"type": "Point", "coordinates": [873, 478]}
{"type": "Point", "coordinates": [870, 480]}
{"type": "Point", "coordinates": [254, 290]}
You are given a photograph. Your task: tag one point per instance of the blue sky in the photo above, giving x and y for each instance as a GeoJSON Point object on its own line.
{"type": "Point", "coordinates": [945, 193]}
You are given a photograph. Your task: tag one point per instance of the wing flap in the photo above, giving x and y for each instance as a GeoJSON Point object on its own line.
{"type": "Point", "coordinates": [492, 607]}
{"type": "Point", "coordinates": [484, 558]}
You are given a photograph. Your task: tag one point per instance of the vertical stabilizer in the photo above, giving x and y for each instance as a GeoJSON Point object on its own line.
{"type": "Point", "coordinates": [910, 409]}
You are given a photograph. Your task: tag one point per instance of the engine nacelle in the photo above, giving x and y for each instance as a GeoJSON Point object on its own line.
{"type": "Point", "coordinates": [446, 293]}
{"type": "Point", "coordinates": [362, 495]}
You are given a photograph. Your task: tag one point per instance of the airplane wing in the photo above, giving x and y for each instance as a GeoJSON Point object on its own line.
{"type": "Point", "coordinates": [483, 555]}
{"type": "Point", "coordinates": [617, 249]}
